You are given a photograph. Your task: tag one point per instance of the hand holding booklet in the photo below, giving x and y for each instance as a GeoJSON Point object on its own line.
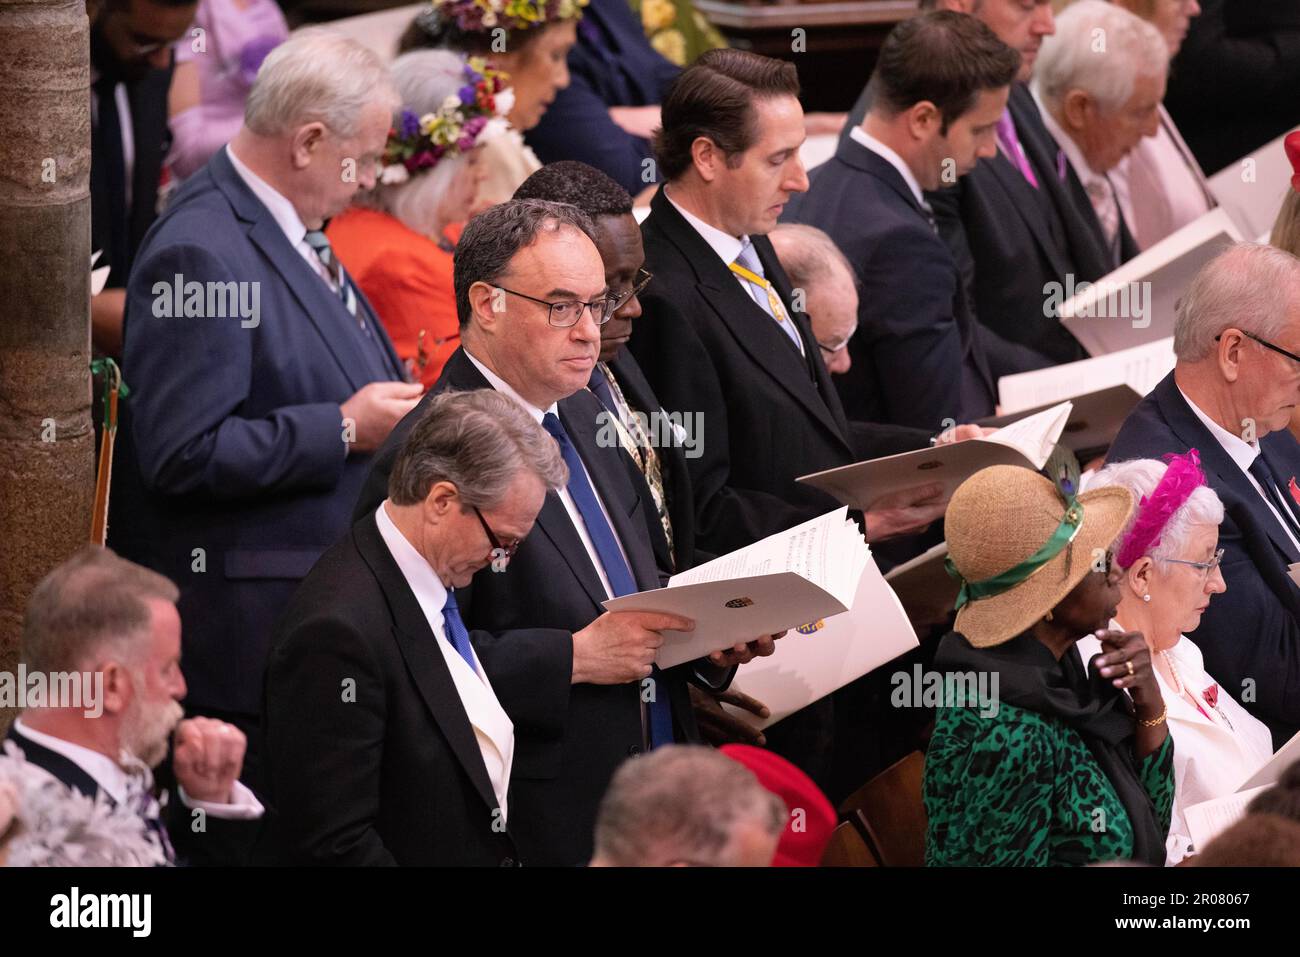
{"type": "Point", "coordinates": [807, 573]}
{"type": "Point", "coordinates": [1028, 442]}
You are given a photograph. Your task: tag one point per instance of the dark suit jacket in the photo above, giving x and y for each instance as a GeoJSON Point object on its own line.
{"type": "Point", "coordinates": [569, 738]}
{"type": "Point", "coordinates": [918, 355]}
{"type": "Point", "coordinates": [151, 139]}
{"type": "Point", "coordinates": [1232, 85]}
{"type": "Point", "coordinates": [612, 64]}
{"type": "Point", "coordinates": [394, 775]}
{"type": "Point", "coordinates": [1012, 241]}
{"type": "Point", "coordinates": [1250, 633]}
{"type": "Point", "coordinates": [672, 467]}
{"type": "Point", "coordinates": [768, 415]}
{"type": "Point", "coordinates": [231, 476]}
{"type": "Point", "coordinates": [222, 842]}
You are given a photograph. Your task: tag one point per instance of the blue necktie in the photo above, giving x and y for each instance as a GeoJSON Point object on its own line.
{"type": "Point", "coordinates": [611, 558]}
{"type": "Point", "coordinates": [600, 386]}
{"type": "Point", "coordinates": [457, 634]}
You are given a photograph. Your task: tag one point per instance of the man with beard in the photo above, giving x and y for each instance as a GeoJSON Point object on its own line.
{"type": "Point", "coordinates": [98, 614]}
{"type": "Point", "coordinates": [130, 74]}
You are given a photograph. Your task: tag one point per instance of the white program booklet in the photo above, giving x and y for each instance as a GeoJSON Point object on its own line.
{"type": "Point", "coordinates": [1135, 304]}
{"type": "Point", "coordinates": [1094, 421]}
{"type": "Point", "coordinates": [1028, 442]}
{"type": "Point", "coordinates": [1271, 772]}
{"type": "Point", "coordinates": [806, 573]}
{"type": "Point", "coordinates": [1209, 819]}
{"type": "Point", "coordinates": [1251, 190]}
{"type": "Point", "coordinates": [825, 655]}
{"type": "Point", "coordinates": [1140, 368]}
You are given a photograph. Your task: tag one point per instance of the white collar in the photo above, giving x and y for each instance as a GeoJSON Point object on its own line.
{"type": "Point", "coordinates": [1068, 146]}
{"type": "Point", "coordinates": [727, 246]}
{"type": "Point", "coordinates": [106, 772]}
{"type": "Point", "coordinates": [1238, 449]}
{"type": "Point", "coordinates": [428, 588]}
{"type": "Point", "coordinates": [276, 203]}
{"type": "Point", "coordinates": [504, 387]}
{"type": "Point", "coordinates": [865, 139]}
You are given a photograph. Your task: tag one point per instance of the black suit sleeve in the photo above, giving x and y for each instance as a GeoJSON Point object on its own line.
{"type": "Point", "coordinates": [1007, 358]}
{"type": "Point", "coordinates": [1232, 70]}
{"type": "Point", "coordinates": [325, 719]}
{"type": "Point", "coordinates": [912, 337]}
{"type": "Point", "coordinates": [677, 363]}
{"type": "Point", "coordinates": [202, 840]}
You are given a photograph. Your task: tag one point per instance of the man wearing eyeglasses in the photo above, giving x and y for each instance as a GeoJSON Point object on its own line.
{"type": "Point", "coordinates": [578, 682]}
{"type": "Point", "coordinates": [130, 74]}
{"type": "Point", "coordinates": [1231, 395]}
{"type": "Point", "coordinates": [815, 264]}
{"type": "Point", "coordinates": [387, 741]}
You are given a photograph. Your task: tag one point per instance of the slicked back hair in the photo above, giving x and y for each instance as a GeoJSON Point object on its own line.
{"type": "Point", "coordinates": [714, 98]}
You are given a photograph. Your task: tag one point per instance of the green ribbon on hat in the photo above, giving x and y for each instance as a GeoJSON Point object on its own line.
{"type": "Point", "coordinates": [112, 380]}
{"type": "Point", "coordinates": [1071, 522]}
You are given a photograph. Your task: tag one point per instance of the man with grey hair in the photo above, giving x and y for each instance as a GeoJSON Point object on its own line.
{"type": "Point", "coordinates": [385, 738]}
{"type": "Point", "coordinates": [260, 378]}
{"type": "Point", "coordinates": [830, 288]}
{"type": "Point", "coordinates": [113, 626]}
{"type": "Point", "coordinates": [1099, 84]}
{"type": "Point", "coordinates": [1230, 396]}
{"type": "Point", "coordinates": [687, 806]}
{"type": "Point", "coordinates": [578, 682]}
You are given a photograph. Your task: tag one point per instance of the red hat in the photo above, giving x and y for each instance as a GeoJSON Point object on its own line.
{"type": "Point", "coordinates": [812, 818]}
{"type": "Point", "coordinates": [1292, 146]}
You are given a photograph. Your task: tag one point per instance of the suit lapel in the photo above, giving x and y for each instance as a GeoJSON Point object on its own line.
{"type": "Point", "coordinates": [424, 661]}
{"type": "Point", "coordinates": [322, 307]}
{"type": "Point", "coordinates": [1215, 460]}
{"type": "Point", "coordinates": [57, 765]}
{"type": "Point", "coordinates": [757, 334]}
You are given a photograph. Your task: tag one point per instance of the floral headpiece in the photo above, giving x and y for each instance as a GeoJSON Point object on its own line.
{"type": "Point", "coordinates": [467, 117]}
{"type": "Point", "coordinates": [1181, 479]}
{"type": "Point", "coordinates": [480, 16]}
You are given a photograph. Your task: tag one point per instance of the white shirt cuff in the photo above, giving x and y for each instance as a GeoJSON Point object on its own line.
{"type": "Point", "coordinates": [242, 806]}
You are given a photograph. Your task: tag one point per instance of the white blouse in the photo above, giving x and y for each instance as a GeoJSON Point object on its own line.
{"type": "Point", "coordinates": [1213, 755]}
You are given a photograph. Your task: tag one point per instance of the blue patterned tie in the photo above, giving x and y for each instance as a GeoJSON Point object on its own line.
{"type": "Point", "coordinates": [457, 634]}
{"type": "Point", "coordinates": [611, 558]}
{"type": "Point", "coordinates": [320, 243]}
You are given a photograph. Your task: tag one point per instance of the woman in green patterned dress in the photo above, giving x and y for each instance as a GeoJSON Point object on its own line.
{"type": "Point", "coordinates": [1052, 767]}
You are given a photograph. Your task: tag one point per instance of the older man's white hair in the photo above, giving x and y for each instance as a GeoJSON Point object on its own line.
{"type": "Point", "coordinates": [1141, 476]}
{"type": "Point", "coordinates": [1099, 48]}
{"type": "Point", "coordinates": [1249, 286]}
{"type": "Point", "coordinates": [317, 76]}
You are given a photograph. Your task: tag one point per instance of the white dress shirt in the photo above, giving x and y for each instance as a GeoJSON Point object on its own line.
{"type": "Point", "coordinates": [284, 213]}
{"type": "Point", "coordinates": [1244, 454]}
{"type": "Point", "coordinates": [1214, 753]}
{"type": "Point", "coordinates": [1160, 186]}
{"type": "Point", "coordinates": [728, 248]}
{"type": "Point", "coordinates": [114, 781]}
{"type": "Point", "coordinates": [861, 136]}
{"type": "Point", "coordinates": [493, 729]}
{"type": "Point", "coordinates": [570, 506]}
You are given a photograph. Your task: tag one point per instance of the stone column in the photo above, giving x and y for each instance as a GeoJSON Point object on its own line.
{"type": "Point", "coordinates": [46, 438]}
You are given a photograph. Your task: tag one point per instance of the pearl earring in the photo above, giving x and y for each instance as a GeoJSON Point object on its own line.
{"type": "Point", "coordinates": [1146, 597]}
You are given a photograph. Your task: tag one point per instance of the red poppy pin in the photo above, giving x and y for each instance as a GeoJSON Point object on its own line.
{"type": "Point", "coordinates": [1295, 490]}
{"type": "Point", "coordinates": [1212, 695]}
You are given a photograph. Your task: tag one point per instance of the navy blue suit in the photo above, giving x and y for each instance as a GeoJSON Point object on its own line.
{"type": "Point", "coordinates": [613, 64]}
{"type": "Point", "coordinates": [232, 438]}
{"type": "Point", "coordinates": [1252, 631]}
{"type": "Point", "coordinates": [918, 355]}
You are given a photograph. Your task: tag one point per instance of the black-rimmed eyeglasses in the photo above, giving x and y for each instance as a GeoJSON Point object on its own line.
{"type": "Point", "coordinates": [1265, 343]}
{"type": "Point", "coordinates": [502, 552]}
{"type": "Point", "coordinates": [567, 312]}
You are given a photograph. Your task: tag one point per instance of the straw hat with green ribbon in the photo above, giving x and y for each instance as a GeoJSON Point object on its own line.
{"type": "Point", "coordinates": [1018, 546]}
